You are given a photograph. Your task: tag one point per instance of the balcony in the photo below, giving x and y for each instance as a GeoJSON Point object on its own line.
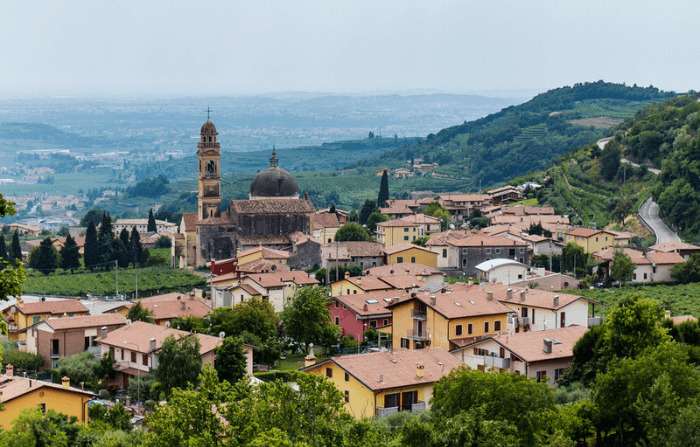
{"type": "Point", "coordinates": [524, 321]}
{"type": "Point", "coordinates": [594, 321]}
{"type": "Point", "coordinates": [490, 361]}
{"type": "Point", "coordinates": [382, 412]}
{"type": "Point", "coordinates": [417, 335]}
{"type": "Point", "coordinates": [418, 314]}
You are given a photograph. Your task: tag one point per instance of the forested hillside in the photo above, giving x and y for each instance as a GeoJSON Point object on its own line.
{"type": "Point", "coordinates": [529, 136]}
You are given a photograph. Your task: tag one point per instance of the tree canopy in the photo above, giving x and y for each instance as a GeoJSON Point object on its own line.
{"type": "Point", "coordinates": [352, 231]}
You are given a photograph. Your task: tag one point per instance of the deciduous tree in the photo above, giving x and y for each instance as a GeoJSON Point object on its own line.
{"type": "Point", "coordinates": [622, 267]}
{"type": "Point", "coordinates": [179, 363]}
{"type": "Point", "coordinates": [230, 362]}
{"type": "Point", "coordinates": [306, 318]}
{"type": "Point", "coordinates": [352, 231]}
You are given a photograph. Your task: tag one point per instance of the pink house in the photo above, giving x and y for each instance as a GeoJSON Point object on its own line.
{"type": "Point", "coordinates": [356, 313]}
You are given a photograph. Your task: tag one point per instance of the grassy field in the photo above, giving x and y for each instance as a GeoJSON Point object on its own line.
{"type": "Point", "coordinates": [679, 299]}
{"type": "Point", "coordinates": [149, 280]}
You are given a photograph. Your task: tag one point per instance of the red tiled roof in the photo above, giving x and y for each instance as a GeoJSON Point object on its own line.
{"type": "Point", "coordinates": [403, 247]}
{"type": "Point", "coordinates": [137, 335]}
{"type": "Point", "coordinates": [278, 279]}
{"type": "Point", "coordinates": [175, 305]}
{"type": "Point", "coordinates": [85, 321]}
{"type": "Point", "coordinates": [54, 307]}
{"type": "Point", "coordinates": [480, 240]}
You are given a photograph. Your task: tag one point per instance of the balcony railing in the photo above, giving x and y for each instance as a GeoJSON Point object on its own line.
{"type": "Point", "coordinates": [418, 314]}
{"type": "Point", "coordinates": [381, 412]}
{"type": "Point", "coordinates": [418, 406]}
{"type": "Point", "coordinates": [490, 361]}
{"type": "Point", "coordinates": [524, 321]}
{"type": "Point", "coordinates": [417, 335]}
{"type": "Point", "coordinates": [594, 321]}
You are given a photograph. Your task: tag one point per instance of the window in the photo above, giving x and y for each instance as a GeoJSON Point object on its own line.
{"type": "Point", "coordinates": [558, 373]}
{"type": "Point", "coordinates": [347, 291]}
{"type": "Point", "coordinates": [399, 259]}
{"type": "Point", "coordinates": [488, 251]}
{"type": "Point", "coordinates": [486, 326]}
{"type": "Point", "coordinates": [511, 252]}
{"type": "Point", "coordinates": [413, 259]}
{"type": "Point", "coordinates": [55, 347]}
{"type": "Point", "coordinates": [523, 312]}
{"type": "Point", "coordinates": [347, 396]}
{"type": "Point", "coordinates": [405, 238]}
{"type": "Point", "coordinates": [391, 400]}
{"type": "Point", "coordinates": [497, 251]}
{"type": "Point", "coordinates": [42, 407]}
{"type": "Point", "coordinates": [645, 275]}
{"type": "Point", "coordinates": [405, 343]}
{"type": "Point", "coordinates": [347, 376]}
{"type": "Point", "coordinates": [405, 229]}
{"type": "Point", "coordinates": [533, 316]}
{"type": "Point", "coordinates": [36, 319]}
{"type": "Point", "coordinates": [373, 324]}
{"type": "Point", "coordinates": [502, 352]}
{"type": "Point", "coordinates": [354, 292]}
{"type": "Point", "coordinates": [144, 359]}
{"type": "Point", "coordinates": [469, 328]}
{"type": "Point", "coordinates": [444, 252]}
{"type": "Point", "coordinates": [458, 329]}
{"type": "Point", "coordinates": [562, 319]}
{"type": "Point", "coordinates": [337, 304]}
{"type": "Point", "coordinates": [497, 325]}
{"type": "Point", "coordinates": [385, 322]}
{"type": "Point", "coordinates": [86, 346]}
{"type": "Point", "coordinates": [329, 372]}
{"type": "Point", "coordinates": [121, 352]}
{"type": "Point", "coordinates": [481, 351]}
{"type": "Point", "coordinates": [541, 376]}
{"type": "Point", "coordinates": [133, 357]}
{"type": "Point", "coordinates": [337, 321]}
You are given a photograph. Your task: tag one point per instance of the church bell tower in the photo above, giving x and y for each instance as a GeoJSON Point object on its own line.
{"type": "Point", "coordinates": [209, 184]}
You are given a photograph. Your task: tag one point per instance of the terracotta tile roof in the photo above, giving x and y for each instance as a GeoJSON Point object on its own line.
{"type": "Point", "coordinates": [264, 240]}
{"type": "Point", "coordinates": [12, 387]}
{"type": "Point", "coordinates": [680, 319]}
{"type": "Point", "coordinates": [262, 266]}
{"type": "Point", "coordinates": [371, 303]}
{"type": "Point", "coordinates": [395, 210]}
{"type": "Point", "coordinates": [674, 246]}
{"type": "Point", "coordinates": [267, 253]}
{"type": "Point", "coordinates": [410, 220]}
{"type": "Point", "coordinates": [137, 336]}
{"type": "Point", "coordinates": [406, 268]}
{"type": "Point", "coordinates": [278, 279]}
{"type": "Point", "coordinates": [271, 206]}
{"type": "Point", "coordinates": [622, 234]}
{"type": "Point", "coordinates": [224, 219]}
{"type": "Point", "coordinates": [403, 282]}
{"type": "Point", "coordinates": [190, 221]}
{"type": "Point", "coordinates": [526, 221]}
{"type": "Point", "coordinates": [403, 247]}
{"type": "Point", "coordinates": [324, 220]}
{"type": "Point", "coordinates": [459, 301]}
{"type": "Point", "coordinates": [640, 258]}
{"type": "Point", "coordinates": [175, 305]}
{"type": "Point", "coordinates": [533, 297]}
{"type": "Point", "coordinates": [385, 370]}
{"type": "Point", "coordinates": [663, 258]}
{"type": "Point", "coordinates": [443, 237]}
{"type": "Point", "coordinates": [482, 240]}
{"type": "Point", "coordinates": [353, 249]}
{"type": "Point", "coordinates": [586, 232]}
{"type": "Point", "coordinates": [86, 321]}
{"type": "Point", "coordinates": [529, 346]}
{"type": "Point", "coordinates": [461, 197]}
{"type": "Point", "coordinates": [369, 283]}
{"type": "Point", "coordinates": [250, 290]}
{"type": "Point", "coordinates": [53, 307]}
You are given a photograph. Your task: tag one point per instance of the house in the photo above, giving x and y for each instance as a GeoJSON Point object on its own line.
{"type": "Point", "coordinates": [538, 310]}
{"type": "Point", "coordinates": [501, 270]}
{"type": "Point", "coordinates": [448, 254]}
{"type": "Point", "coordinates": [324, 225]}
{"type": "Point", "coordinates": [538, 245]}
{"type": "Point", "coordinates": [141, 225]}
{"type": "Point", "coordinates": [354, 314]}
{"type": "Point", "coordinates": [409, 253]}
{"type": "Point", "coordinates": [461, 206]}
{"type": "Point", "coordinates": [682, 248]}
{"type": "Point", "coordinates": [245, 257]}
{"type": "Point", "coordinates": [236, 294]}
{"type": "Point", "coordinates": [406, 229]}
{"type": "Point", "coordinates": [22, 315]}
{"type": "Point", "coordinates": [25, 230]}
{"type": "Point", "coordinates": [623, 238]}
{"type": "Point", "coordinates": [507, 193]}
{"type": "Point", "coordinates": [475, 249]}
{"type": "Point", "coordinates": [135, 348]}
{"type": "Point", "coordinates": [363, 253]}
{"type": "Point", "coordinates": [56, 338]}
{"type": "Point", "coordinates": [540, 355]}
{"type": "Point", "coordinates": [590, 239]}
{"type": "Point", "coordinates": [539, 278]}
{"type": "Point", "coordinates": [18, 394]}
{"type": "Point", "coordinates": [447, 318]}
{"type": "Point", "coordinates": [353, 285]}
{"type": "Point", "coordinates": [305, 252]}
{"type": "Point", "coordinates": [184, 248]}
{"type": "Point", "coordinates": [650, 267]}
{"type": "Point", "coordinates": [429, 276]}
{"type": "Point", "coordinates": [167, 307]}
{"type": "Point", "coordinates": [383, 383]}
{"type": "Point", "coordinates": [279, 287]}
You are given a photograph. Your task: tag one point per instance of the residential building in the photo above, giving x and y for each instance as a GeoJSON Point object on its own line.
{"type": "Point", "coordinates": [22, 315]}
{"type": "Point", "coordinates": [383, 383]}
{"type": "Point", "coordinates": [539, 278]}
{"type": "Point", "coordinates": [18, 394]}
{"type": "Point", "coordinates": [135, 348]}
{"type": "Point", "coordinates": [461, 206]}
{"type": "Point", "coordinates": [406, 229]}
{"type": "Point", "coordinates": [507, 193]}
{"type": "Point", "coordinates": [324, 225]}
{"type": "Point", "coordinates": [355, 314]}
{"type": "Point", "coordinates": [56, 338]}
{"type": "Point", "coordinates": [447, 318]}
{"type": "Point", "coordinates": [245, 257]}
{"type": "Point", "coordinates": [501, 270]}
{"type": "Point", "coordinates": [649, 267]}
{"type": "Point", "coordinates": [362, 253]}
{"type": "Point", "coordinates": [474, 250]}
{"type": "Point", "coordinates": [409, 253]}
{"type": "Point", "coordinates": [141, 225]}
{"type": "Point", "coordinates": [353, 285]}
{"type": "Point", "coordinates": [279, 287]}
{"type": "Point", "coordinates": [590, 239]}
{"type": "Point", "coordinates": [167, 307]}
{"type": "Point", "coordinates": [448, 254]}
{"type": "Point", "coordinates": [682, 248]}
{"type": "Point", "coordinates": [540, 355]}
{"type": "Point", "coordinates": [430, 277]}
{"type": "Point", "coordinates": [538, 310]}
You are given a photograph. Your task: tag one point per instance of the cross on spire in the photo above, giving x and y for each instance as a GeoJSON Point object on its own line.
{"type": "Point", "coordinates": [273, 159]}
{"type": "Point", "coordinates": [208, 112]}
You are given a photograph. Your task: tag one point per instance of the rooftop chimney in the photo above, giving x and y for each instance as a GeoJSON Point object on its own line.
{"type": "Point", "coordinates": [65, 381]}
{"type": "Point", "coordinates": [509, 293]}
{"type": "Point", "coordinates": [433, 299]}
{"type": "Point", "coordinates": [152, 344]}
{"type": "Point", "coordinates": [365, 307]}
{"type": "Point", "coordinates": [555, 301]}
{"type": "Point", "coordinates": [310, 359]}
{"type": "Point", "coordinates": [547, 346]}
{"type": "Point", "coordinates": [347, 274]}
{"type": "Point", "coordinates": [103, 331]}
{"type": "Point", "coordinates": [489, 296]}
{"type": "Point", "coordinates": [9, 370]}
{"type": "Point", "coordinates": [420, 369]}
{"type": "Point", "coordinates": [523, 294]}
{"type": "Point", "coordinates": [183, 306]}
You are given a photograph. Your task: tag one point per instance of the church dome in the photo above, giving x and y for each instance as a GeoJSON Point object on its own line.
{"type": "Point", "coordinates": [208, 128]}
{"type": "Point", "coordinates": [274, 182]}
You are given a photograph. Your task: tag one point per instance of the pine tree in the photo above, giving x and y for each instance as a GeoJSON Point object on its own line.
{"type": "Point", "coordinates": [383, 195]}
{"type": "Point", "coordinates": [104, 242]}
{"type": "Point", "coordinates": [15, 248]}
{"type": "Point", "coordinates": [70, 254]}
{"type": "Point", "coordinates": [137, 251]}
{"type": "Point", "coordinates": [3, 248]}
{"type": "Point", "coordinates": [91, 256]}
{"type": "Point", "coordinates": [124, 237]}
{"type": "Point", "coordinates": [152, 228]}
{"type": "Point", "coordinates": [44, 258]}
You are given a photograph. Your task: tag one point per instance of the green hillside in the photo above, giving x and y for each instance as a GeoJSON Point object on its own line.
{"type": "Point", "coordinates": [528, 136]}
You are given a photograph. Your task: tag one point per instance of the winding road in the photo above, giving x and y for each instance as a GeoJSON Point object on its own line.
{"type": "Point", "coordinates": [649, 211]}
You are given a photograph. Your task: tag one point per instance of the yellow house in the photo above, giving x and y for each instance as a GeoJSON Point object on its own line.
{"type": "Point", "coordinates": [408, 253]}
{"type": "Point", "coordinates": [22, 314]}
{"type": "Point", "coordinates": [352, 285]}
{"type": "Point", "coordinates": [406, 229]}
{"type": "Point", "coordinates": [447, 319]}
{"type": "Point", "coordinates": [383, 383]}
{"type": "Point", "coordinates": [19, 393]}
{"type": "Point", "coordinates": [279, 257]}
{"type": "Point", "coordinates": [589, 239]}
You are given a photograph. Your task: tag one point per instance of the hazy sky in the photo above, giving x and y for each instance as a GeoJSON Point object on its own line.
{"type": "Point", "coordinates": [168, 47]}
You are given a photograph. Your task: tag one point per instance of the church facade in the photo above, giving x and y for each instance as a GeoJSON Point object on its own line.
{"type": "Point", "coordinates": [274, 215]}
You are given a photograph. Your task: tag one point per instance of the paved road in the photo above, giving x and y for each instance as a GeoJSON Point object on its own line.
{"type": "Point", "coordinates": [604, 142]}
{"type": "Point", "coordinates": [649, 213]}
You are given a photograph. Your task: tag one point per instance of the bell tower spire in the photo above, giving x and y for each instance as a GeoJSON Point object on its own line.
{"type": "Point", "coordinates": [209, 181]}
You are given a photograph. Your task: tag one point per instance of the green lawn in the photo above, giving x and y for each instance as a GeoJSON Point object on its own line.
{"type": "Point", "coordinates": [149, 280]}
{"type": "Point", "coordinates": [679, 299]}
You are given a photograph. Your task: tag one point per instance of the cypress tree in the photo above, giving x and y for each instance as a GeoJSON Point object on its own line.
{"type": "Point", "coordinates": [137, 252]}
{"type": "Point", "coordinates": [15, 248]}
{"type": "Point", "coordinates": [366, 210]}
{"type": "Point", "coordinates": [151, 228]}
{"type": "Point", "coordinates": [70, 254]}
{"type": "Point", "coordinates": [121, 253]}
{"type": "Point", "coordinates": [3, 248]}
{"type": "Point", "coordinates": [44, 258]}
{"type": "Point", "coordinates": [383, 195]}
{"type": "Point", "coordinates": [91, 256]}
{"type": "Point", "coordinates": [124, 237]}
{"type": "Point", "coordinates": [104, 242]}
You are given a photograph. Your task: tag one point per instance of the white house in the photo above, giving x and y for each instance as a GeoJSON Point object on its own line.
{"type": "Point", "coordinates": [540, 355]}
{"type": "Point", "coordinates": [141, 225]}
{"type": "Point", "coordinates": [539, 310]}
{"type": "Point", "coordinates": [505, 271]}
{"type": "Point", "coordinates": [278, 287]}
{"type": "Point", "coordinates": [650, 267]}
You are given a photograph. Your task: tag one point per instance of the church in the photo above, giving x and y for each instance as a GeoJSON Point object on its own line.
{"type": "Point", "coordinates": [273, 216]}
